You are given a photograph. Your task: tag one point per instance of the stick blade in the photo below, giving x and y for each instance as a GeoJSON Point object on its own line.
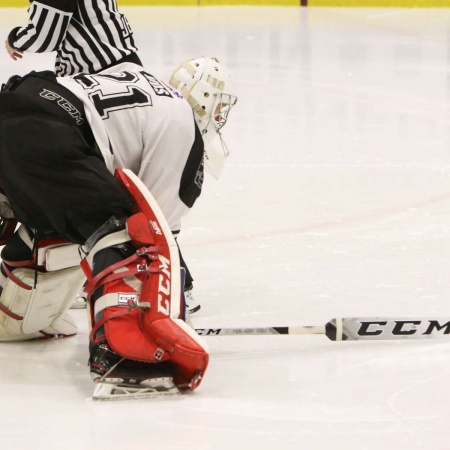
{"type": "Point", "coordinates": [382, 328]}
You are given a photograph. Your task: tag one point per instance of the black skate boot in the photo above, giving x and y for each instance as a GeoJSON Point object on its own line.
{"type": "Point", "coordinates": [118, 378]}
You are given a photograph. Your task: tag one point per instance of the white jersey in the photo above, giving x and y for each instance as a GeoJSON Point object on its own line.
{"type": "Point", "coordinates": [141, 124]}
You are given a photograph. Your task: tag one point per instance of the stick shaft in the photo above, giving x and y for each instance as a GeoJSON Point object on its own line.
{"type": "Point", "coordinates": [258, 331]}
{"type": "Point", "coordinates": [352, 329]}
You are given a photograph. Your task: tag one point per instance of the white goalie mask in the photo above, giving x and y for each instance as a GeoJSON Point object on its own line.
{"type": "Point", "coordinates": [211, 92]}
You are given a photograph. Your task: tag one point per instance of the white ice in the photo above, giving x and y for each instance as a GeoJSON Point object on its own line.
{"type": "Point", "coordinates": [335, 203]}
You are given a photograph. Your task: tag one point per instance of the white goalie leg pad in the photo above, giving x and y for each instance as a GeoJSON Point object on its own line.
{"type": "Point", "coordinates": [34, 304]}
{"type": "Point", "coordinates": [28, 312]}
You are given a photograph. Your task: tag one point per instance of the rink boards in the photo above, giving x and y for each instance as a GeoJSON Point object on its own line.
{"type": "Point", "coordinates": [313, 3]}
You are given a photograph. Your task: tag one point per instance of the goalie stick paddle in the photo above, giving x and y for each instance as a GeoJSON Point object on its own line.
{"type": "Point", "coordinates": [352, 329]}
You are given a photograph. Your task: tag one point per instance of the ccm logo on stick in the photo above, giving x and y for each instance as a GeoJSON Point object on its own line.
{"type": "Point", "coordinates": [402, 327]}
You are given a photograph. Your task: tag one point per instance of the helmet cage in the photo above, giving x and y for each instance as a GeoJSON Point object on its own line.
{"type": "Point", "coordinates": [208, 88]}
{"type": "Point", "coordinates": [221, 108]}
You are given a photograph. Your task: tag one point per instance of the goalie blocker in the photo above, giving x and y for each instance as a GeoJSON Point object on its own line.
{"type": "Point", "coordinates": [134, 300]}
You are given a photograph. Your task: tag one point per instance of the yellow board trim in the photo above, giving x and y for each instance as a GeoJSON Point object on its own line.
{"type": "Point", "coordinates": [318, 3]}
{"type": "Point", "coordinates": [157, 2]}
{"type": "Point", "coordinates": [25, 3]}
{"type": "Point", "coordinates": [250, 2]}
{"type": "Point", "coordinates": [381, 3]}
{"type": "Point", "coordinates": [13, 3]}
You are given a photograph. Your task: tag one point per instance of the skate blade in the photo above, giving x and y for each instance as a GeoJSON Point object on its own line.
{"type": "Point", "coordinates": [78, 303]}
{"type": "Point", "coordinates": [154, 388]}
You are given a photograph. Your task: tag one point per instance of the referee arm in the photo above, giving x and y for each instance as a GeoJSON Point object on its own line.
{"type": "Point", "coordinates": [46, 28]}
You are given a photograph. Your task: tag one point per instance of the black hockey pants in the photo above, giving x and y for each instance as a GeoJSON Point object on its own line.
{"type": "Point", "coordinates": [52, 174]}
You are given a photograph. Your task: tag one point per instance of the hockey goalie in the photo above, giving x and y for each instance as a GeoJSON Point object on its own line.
{"type": "Point", "coordinates": [140, 346]}
{"type": "Point", "coordinates": [88, 223]}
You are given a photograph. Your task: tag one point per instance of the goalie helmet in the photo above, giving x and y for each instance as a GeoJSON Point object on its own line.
{"type": "Point", "coordinates": [211, 92]}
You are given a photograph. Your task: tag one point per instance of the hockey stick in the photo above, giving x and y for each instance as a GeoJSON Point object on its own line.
{"type": "Point", "coordinates": [352, 329]}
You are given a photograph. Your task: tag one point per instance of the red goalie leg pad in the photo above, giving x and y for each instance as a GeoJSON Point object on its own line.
{"type": "Point", "coordinates": [139, 230]}
{"type": "Point", "coordinates": [120, 301]}
{"type": "Point", "coordinates": [124, 336]}
{"type": "Point", "coordinates": [123, 333]}
{"type": "Point", "coordinates": [165, 288]}
{"type": "Point", "coordinates": [187, 352]}
{"type": "Point", "coordinates": [147, 327]}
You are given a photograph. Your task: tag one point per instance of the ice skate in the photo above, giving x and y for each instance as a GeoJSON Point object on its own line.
{"type": "Point", "coordinates": [78, 303]}
{"type": "Point", "coordinates": [192, 306]}
{"type": "Point", "coordinates": [118, 378]}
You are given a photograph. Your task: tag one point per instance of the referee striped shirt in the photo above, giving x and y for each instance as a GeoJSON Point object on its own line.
{"type": "Point", "coordinates": [88, 35]}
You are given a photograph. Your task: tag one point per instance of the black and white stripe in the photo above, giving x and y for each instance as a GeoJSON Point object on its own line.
{"type": "Point", "coordinates": [88, 35]}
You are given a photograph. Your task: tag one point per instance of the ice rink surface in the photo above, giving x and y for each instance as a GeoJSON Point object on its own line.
{"type": "Point", "coordinates": [335, 203]}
